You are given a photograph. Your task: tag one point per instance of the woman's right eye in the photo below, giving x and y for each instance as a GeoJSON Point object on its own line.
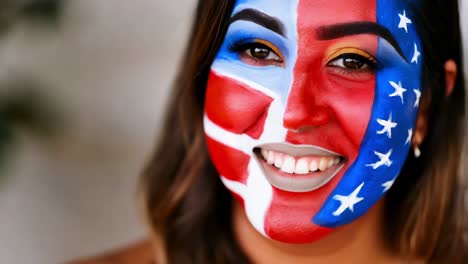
{"type": "Point", "coordinates": [262, 52]}
{"type": "Point", "coordinates": [259, 53]}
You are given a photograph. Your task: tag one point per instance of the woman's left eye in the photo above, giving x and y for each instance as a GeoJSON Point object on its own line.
{"type": "Point", "coordinates": [354, 63]}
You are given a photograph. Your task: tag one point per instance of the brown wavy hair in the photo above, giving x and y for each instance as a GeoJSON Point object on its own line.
{"type": "Point", "coordinates": [189, 210]}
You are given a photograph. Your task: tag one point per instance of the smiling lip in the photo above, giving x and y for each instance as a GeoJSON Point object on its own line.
{"type": "Point", "coordinates": [298, 168]}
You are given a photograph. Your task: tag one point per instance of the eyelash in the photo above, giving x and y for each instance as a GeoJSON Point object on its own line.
{"type": "Point", "coordinates": [356, 55]}
{"type": "Point", "coordinates": [245, 46]}
{"type": "Point", "coordinates": [244, 49]}
{"type": "Point", "coordinates": [369, 59]}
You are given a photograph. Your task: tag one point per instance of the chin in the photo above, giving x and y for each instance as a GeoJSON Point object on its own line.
{"type": "Point", "coordinates": [289, 216]}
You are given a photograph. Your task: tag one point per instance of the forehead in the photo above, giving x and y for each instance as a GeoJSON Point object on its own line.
{"type": "Point", "coordinates": [312, 12]}
{"type": "Point", "coordinates": [272, 7]}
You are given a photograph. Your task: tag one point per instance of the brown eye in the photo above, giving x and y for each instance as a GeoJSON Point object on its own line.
{"type": "Point", "coordinates": [354, 62]}
{"type": "Point", "coordinates": [258, 53]}
{"type": "Point", "coordinates": [261, 52]}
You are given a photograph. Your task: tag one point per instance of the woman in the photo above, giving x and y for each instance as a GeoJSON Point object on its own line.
{"type": "Point", "coordinates": [336, 125]}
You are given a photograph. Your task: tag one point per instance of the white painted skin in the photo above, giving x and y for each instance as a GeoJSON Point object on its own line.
{"type": "Point", "coordinates": [257, 192]}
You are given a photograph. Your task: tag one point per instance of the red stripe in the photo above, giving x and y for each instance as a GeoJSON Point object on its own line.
{"type": "Point", "coordinates": [230, 163]}
{"type": "Point", "coordinates": [330, 111]}
{"type": "Point", "coordinates": [235, 106]}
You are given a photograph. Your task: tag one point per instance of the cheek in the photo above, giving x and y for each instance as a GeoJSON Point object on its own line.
{"type": "Point", "coordinates": [234, 110]}
{"type": "Point", "coordinates": [230, 163]}
{"type": "Point", "coordinates": [337, 104]}
{"type": "Point", "coordinates": [234, 106]}
{"type": "Point", "coordinates": [351, 103]}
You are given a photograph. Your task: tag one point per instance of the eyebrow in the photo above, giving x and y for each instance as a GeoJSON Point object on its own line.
{"type": "Point", "coordinates": [356, 28]}
{"type": "Point", "coordinates": [261, 19]}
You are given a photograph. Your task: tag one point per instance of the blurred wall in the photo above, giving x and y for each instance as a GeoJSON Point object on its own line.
{"type": "Point", "coordinates": [110, 62]}
{"type": "Point", "coordinates": [464, 17]}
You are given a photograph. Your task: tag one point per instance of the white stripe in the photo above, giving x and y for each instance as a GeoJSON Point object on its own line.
{"type": "Point", "coordinates": [250, 84]}
{"type": "Point", "coordinates": [257, 197]}
{"type": "Point", "coordinates": [234, 186]}
{"type": "Point", "coordinates": [229, 139]}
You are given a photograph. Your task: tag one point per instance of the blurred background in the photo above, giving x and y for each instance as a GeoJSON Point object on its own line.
{"type": "Point", "coordinates": [82, 88]}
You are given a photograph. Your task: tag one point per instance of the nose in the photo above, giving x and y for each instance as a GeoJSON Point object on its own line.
{"type": "Point", "coordinates": [306, 107]}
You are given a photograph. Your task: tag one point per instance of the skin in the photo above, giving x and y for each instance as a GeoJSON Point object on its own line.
{"type": "Point", "coordinates": [358, 242]}
{"type": "Point", "coordinates": [299, 99]}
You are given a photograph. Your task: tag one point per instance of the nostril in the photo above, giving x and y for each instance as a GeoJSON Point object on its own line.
{"type": "Point", "coordinates": [303, 129]}
{"type": "Point", "coordinates": [301, 121]}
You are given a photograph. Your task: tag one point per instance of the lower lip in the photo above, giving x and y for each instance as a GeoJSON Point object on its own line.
{"type": "Point", "coordinates": [298, 182]}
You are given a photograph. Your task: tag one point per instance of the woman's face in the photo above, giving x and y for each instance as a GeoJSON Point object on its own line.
{"type": "Point", "coordinates": [310, 108]}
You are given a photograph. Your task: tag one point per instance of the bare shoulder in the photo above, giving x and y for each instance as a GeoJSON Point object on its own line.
{"type": "Point", "coordinates": [137, 253]}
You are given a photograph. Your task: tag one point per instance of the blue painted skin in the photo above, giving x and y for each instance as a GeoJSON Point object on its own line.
{"type": "Point", "coordinates": [396, 69]}
{"type": "Point", "coordinates": [276, 79]}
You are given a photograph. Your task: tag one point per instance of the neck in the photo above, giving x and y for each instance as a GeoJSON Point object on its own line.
{"type": "Point", "coordinates": [358, 242]}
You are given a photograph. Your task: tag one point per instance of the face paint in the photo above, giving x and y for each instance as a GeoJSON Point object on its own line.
{"type": "Point", "coordinates": [309, 114]}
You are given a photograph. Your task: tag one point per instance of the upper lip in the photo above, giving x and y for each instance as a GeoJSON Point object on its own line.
{"type": "Point", "coordinates": [298, 150]}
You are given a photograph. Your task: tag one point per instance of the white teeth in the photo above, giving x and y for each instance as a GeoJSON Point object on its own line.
{"type": "Point", "coordinates": [301, 167]}
{"type": "Point", "coordinates": [304, 165]}
{"type": "Point", "coordinates": [313, 166]}
{"type": "Point", "coordinates": [288, 164]}
{"type": "Point", "coordinates": [323, 164]}
{"type": "Point", "coordinates": [270, 158]}
{"type": "Point", "coordinates": [278, 161]}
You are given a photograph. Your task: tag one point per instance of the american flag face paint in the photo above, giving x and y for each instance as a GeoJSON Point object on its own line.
{"type": "Point", "coordinates": [310, 108]}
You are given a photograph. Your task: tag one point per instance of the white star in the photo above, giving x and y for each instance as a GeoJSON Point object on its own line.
{"type": "Point", "coordinates": [388, 185]}
{"type": "Point", "coordinates": [348, 202]}
{"type": "Point", "coordinates": [387, 126]}
{"type": "Point", "coordinates": [404, 21]}
{"type": "Point", "coordinates": [384, 160]}
{"type": "Point", "coordinates": [416, 54]}
{"type": "Point", "coordinates": [399, 90]}
{"type": "Point", "coordinates": [418, 97]}
{"type": "Point", "coordinates": [410, 136]}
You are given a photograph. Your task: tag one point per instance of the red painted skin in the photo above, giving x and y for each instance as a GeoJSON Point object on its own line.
{"type": "Point", "coordinates": [244, 108]}
{"type": "Point", "coordinates": [331, 110]}
{"type": "Point", "coordinates": [230, 163]}
{"type": "Point", "coordinates": [326, 107]}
